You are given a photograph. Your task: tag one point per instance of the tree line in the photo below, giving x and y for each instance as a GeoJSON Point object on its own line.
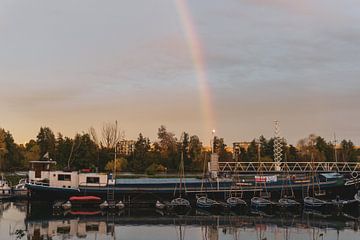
{"type": "Point", "coordinates": [88, 150]}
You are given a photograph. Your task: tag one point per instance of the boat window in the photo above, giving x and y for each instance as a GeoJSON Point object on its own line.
{"type": "Point", "coordinates": [64, 177]}
{"type": "Point", "coordinates": [92, 180]}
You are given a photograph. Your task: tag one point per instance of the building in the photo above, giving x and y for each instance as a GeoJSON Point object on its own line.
{"type": "Point", "coordinates": [126, 147]}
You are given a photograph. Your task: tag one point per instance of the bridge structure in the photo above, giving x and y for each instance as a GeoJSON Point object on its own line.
{"type": "Point", "coordinates": [290, 167]}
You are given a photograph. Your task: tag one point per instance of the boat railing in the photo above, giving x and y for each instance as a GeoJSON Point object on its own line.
{"type": "Point", "coordinates": [92, 185]}
{"type": "Point", "coordinates": [38, 183]}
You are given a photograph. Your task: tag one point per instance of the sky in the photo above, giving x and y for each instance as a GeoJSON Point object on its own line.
{"type": "Point", "coordinates": [232, 65]}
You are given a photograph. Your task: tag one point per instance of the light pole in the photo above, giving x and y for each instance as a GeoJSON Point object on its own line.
{"type": "Point", "coordinates": [212, 141]}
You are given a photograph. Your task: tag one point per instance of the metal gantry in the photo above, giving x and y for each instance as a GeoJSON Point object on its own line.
{"type": "Point", "coordinates": [291, 167]}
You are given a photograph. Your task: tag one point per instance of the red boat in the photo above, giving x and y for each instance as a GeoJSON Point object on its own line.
{"type": "Point", "coordinates": [85, 200]}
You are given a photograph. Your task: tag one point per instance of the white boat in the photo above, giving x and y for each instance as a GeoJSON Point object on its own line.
{"type": "Point", "coordinates": [120, 205]}
{"type": "Point", "coordinates": [288, 203]}
{"type": "Point", "coordinates": [207, 203]}
{"type": "Point", "coordinates": [312, 202]}
{"type": "Point", "coordinates": [20, 189]}
{"type": "Point", "coordinates": [236, 202]}
{"type": "Point", "coordinates": [5, 189]}
{"type": "Point", "coordinates": [159, 205]}
{"type": "Point", "coordinates": [258, 202]}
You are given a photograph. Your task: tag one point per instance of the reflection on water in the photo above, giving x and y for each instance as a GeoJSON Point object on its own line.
{"type": "Point", "coordinates": [20, 220]}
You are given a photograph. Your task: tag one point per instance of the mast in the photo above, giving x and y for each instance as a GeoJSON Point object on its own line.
{"type": "Point", "coordinates": [115, 150]}
{"type": "Point", "coordinates": [335, 154]}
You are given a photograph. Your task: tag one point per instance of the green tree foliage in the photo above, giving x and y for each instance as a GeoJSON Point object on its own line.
{"type": "Point", "coordinates": [168, 147]}
{"type": "Point", "coordinates": [85, 154]}
{"type": "Point", "coordinates": [252, 152]}
{"type": "Point", "coordinates": [32, 151]}
{"type": "Point", "coordinates": [3, 149]}
{"type": "Point", "coordinates": [139, 161]}
{"type": "Point", "coordinates": [195, 152]}
{"type": "Point", "coordinates": [220, 148]}
{"type": "Point", "coordinates": [46, 141]}
{"type": "Point", "coordinates": [348, 152]}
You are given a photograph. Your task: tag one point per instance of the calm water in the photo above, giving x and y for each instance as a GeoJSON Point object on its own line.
{"type": "Point", "coordinates": [20, 220]}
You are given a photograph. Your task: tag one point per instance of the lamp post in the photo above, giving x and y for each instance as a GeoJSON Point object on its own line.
{"type": "Point", "coordinates": [212, 141]}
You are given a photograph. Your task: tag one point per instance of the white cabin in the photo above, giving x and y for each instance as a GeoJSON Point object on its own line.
{"type": "Point", "coordinates": [41, 173]}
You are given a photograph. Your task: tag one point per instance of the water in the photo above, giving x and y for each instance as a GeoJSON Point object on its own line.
{"type": "Point", "coordinates": [20, 220]}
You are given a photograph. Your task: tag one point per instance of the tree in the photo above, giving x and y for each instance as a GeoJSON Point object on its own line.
{"type": "Point", "coordinates": [292, 154]}
{"type": "Point", "coordinates": [85, 152]}
{"type": "Point", "coordinates": [324, 150]}
{"type": "Point", "coordinates": [46, 141]}
{"type": "Point", "coordinates": [3, 149]}
{"type": "Point", "coordinates": [168, 147]}
{"type": "Point", "coordinates": [121, 163]}
{"type": "Point", "coordinates": [220, 148]}
{"type": "Point", "coordinates": [32, 151]}
{"type": "Point", "coordinates": [195, 147]}
{"type": "Point", "coordinates": [142, 147]}
{"type": "Point", "coordinates": [252, 151]}
{"type": "Point", "coordinates": [348, 151]}
{"type": "Point", "coordinates": [110, 134]}
{"type": "Point", "coordinates": [63, 147]}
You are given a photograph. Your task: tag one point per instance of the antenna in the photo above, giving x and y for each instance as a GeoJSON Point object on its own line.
{"type": "Point", "coordinates": [277, 143]}
{"type": "Point", "coordinates": [335, 142]}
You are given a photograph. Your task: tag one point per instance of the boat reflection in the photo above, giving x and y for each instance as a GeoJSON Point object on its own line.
{"type": "Point", "coordinates": [103, 225]}
{"type": "Point", "coordinates": [41, 223]}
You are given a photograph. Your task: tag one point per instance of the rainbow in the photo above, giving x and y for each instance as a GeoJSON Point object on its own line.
{"type": "Point", "coordinates": [196, 51]}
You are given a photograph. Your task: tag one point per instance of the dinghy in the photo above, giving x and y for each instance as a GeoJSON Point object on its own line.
{"type": "Point", "coordinates": [207, 203]}
{"type": "Point", "coordinates": [311, 202]}
{"type": "Point", "coordinates": [235, 203]}
{"type": "Point", "coordinates": [179, 204]}
{"type": "Point", "coordinates": [258, 202]}
{"type": "Point", "coordinates": [288, 203]}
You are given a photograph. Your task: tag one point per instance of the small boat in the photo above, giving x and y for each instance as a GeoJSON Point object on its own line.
{"type": "Point", "coordinates": [20, 190]}
{"type": "Point", "coordinates": [104, 205]}
{"type": "Point", "coordinates": [340, 203]}
{"type": "Point", "coordinates": [258, 202]}
{"type": "Point", "coordinates": [120, 205]}
{"type": "Point", "coordinates": [357, 196]}
{"type": "Point", "coordinates": [207, 203]}
{"type": "Point", "coordinates": [5, 189]}
{"type": "Point", "coordinates": [311, 202]}
{"type": "Point", "coordinates": [159, 205]}
{"type": "Point", "coordinates": [288, 203]}
{"type": "Point", "coordinates": [66, 205]}
{"type": "Point", "coordinates": [85, 200]}
{"type": "Point", "coordinates": [179, 203]}
{"type": "Point", "coordinates": [236, 202]}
